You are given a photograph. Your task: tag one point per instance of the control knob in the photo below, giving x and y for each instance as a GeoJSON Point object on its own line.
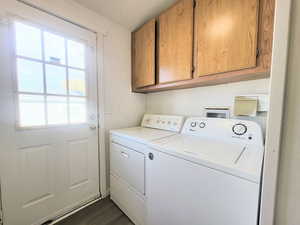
{"type": "Point", "coordinates": [239, 129]}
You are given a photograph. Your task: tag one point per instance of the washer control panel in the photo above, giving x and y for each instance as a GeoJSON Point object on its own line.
{"type": "Point", "coordinates": [163, 122]}
{"type": "Point", "coordinates": [224, 129]}
{"type": "Point", "coordinates": [195, 124]}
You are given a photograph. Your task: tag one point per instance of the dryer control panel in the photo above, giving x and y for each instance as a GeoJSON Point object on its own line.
{"type": "Point", "coordinates": [163, 122]}
{"type": "Point", "coordinates": [243, 131]}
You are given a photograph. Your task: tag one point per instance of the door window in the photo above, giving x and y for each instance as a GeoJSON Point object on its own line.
{"type": "Point", "coordinates": [51, 78]}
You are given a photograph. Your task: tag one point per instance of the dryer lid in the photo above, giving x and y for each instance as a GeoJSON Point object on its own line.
{"type": "Point", "coordinates": [141, 134]}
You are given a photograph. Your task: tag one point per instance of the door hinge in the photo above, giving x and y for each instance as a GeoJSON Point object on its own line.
{"type": "Point", "coordinates": [1, 217]}
{"type": "Point", "coordinates": [1, 207]}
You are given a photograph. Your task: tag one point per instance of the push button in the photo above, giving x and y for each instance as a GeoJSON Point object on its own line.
{"type": "Point", "coordinates": [193, 124]}
{"type": "Point", "coordinates": [202, 125]}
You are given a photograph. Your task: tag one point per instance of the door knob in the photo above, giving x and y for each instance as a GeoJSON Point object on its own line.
{"type": "Point", "coordinates": [93, 127]}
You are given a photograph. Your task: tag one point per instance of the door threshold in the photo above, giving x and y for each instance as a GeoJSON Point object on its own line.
{"type": "Point", "coordinates": [55, 221]}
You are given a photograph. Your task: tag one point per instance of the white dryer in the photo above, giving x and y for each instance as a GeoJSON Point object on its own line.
{"type": "Point", "coordinates": [128, 152]}
{"type": "Point", "coordinates": [207, 175]}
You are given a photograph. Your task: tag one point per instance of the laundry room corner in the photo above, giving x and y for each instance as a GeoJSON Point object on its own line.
{"type": "Point", "coordinates": [160, 112]}
{"type": "Point", "coordinates": [192, 102]}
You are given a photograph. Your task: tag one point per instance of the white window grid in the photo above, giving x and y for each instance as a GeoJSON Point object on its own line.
{"type": "Point", "coordinates": [44, 62]}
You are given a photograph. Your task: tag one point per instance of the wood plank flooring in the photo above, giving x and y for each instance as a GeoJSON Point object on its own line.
{"type": "Point", "coordinates": [103, 212]}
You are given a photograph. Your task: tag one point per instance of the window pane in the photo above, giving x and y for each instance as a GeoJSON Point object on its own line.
{"type": "Point", "coordinates": [77, 110]}
{"type": "Point", "coordinates": [32, 110]}
{"type": "Point", "coordinates": [76, 54]}
{"type": "Point", "coordinates": [54, 48]}
{"type": "Point", "coordinates": [30, 76]}
{"type": "Point", "coordinates": [56, 79]}
{"type": "Point", "coordinates": [28, 41]}
{"type": "Point", "coordinates": [77, 82]}
{"type": "Point", "coordinates": [57, 110]}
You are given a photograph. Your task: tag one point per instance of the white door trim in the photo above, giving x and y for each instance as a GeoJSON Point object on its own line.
{"type": "Point", "coordinates": [274, 123]}
{"type": "Point", "coordinates": [101, 118]}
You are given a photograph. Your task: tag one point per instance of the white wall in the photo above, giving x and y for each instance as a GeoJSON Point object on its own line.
{"type": "Point", "coordinates": [191, 102]}
{"type": "Point", "coordinates": [288, 196]}
{"type": "Point", "coordinates": [121, 107]}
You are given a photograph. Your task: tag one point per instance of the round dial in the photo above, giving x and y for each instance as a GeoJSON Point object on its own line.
{"type": "Point", "coordinates": [239, 129]}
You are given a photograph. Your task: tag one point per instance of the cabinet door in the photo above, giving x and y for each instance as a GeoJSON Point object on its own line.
{"type": "Point", "coordinates": [143, 58]}
{"type": "Point", "coordinates": [226, 35]}
{"type": "Point", "coordinates": [176, 42]}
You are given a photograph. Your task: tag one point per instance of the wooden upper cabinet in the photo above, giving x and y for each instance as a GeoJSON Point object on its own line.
{"type": "Point", "coordinates": [207, 43]}
{"type": "Point", "coordinates": [225, 35]}
{"type": "Point", "coordinates": [143, 55]}
{"type": "Point", "coordinates": [175, 43]}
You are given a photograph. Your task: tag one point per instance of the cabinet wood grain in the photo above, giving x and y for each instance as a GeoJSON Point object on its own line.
{"type": "Point", "coordinates": [226, 35]}
{"type": "Point", "coordinates": [265, 34]}
{"type": "Point", "coordinates": [176, 42]}
{"type": "Point", "coordinates": [256, 69]}
{"type": "Point", "coordinates": [143, 55]}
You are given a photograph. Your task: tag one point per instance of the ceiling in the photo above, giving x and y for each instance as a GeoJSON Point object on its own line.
{"type": "Point", "coordinates": [129, 13]}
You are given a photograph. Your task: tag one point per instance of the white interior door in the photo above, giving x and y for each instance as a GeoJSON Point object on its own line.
{"type": "Point", "coordinates": [48, 118]}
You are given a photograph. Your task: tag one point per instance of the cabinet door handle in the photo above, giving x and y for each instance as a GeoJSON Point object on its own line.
{"type": "Point", "coordinates": [125, 155]}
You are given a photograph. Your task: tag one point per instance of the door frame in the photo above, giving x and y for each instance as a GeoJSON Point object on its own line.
{"type": "Point", "coordinates": [276, 104]}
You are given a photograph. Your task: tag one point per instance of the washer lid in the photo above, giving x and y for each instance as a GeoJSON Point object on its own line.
{"type": "Point", "coordinates": [142, 134]}
{"type": "Point", "coordinates": [236, 159]}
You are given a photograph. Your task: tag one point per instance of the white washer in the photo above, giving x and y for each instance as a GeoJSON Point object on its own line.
{"type": "Point", "coordinates": [128, 152]}
{"type": "Point", "coordinates": [209, 174]}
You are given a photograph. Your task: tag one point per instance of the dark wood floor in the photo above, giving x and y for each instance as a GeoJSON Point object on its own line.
{"type": "Point", "coordinates": [103, 212]}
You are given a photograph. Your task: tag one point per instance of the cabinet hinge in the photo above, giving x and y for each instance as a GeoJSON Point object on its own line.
{"type": "Point", "coordinates": [195, 3]}
{"type": "Point", "coordinates": [257, 52]}
{"type": "Point", "coordinates": [193, 69]}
